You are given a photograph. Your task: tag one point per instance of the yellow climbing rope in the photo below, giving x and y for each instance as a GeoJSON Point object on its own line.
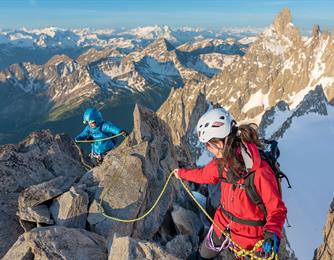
{"type": "Point", "coordinates": [88, 167]}
{"type": "Point", "coordinates": [238, 250]}
{"type": "Point", "coordinates": [98, 140]}
{"type": "Point", "coordinates": [141, 217]}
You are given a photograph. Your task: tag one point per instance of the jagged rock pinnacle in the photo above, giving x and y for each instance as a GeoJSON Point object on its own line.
{"type": "Point", "coordinates": [283, 25]}
{"type": "Point", "coordinates": [282, 21]}
{"type": "Point", "coordinates": [315, 31]}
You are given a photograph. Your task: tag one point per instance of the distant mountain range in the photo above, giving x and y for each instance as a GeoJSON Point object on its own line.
{"type": "Point", "coordinates": [52, 37]}
{"type": "Point", "coordinates": [39, 45]}
{"type": "Point", "coordinates": [54, 94]}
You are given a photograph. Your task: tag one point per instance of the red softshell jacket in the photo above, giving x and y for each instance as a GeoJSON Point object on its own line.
{"type": "Point", "coordinates": [237, 202]}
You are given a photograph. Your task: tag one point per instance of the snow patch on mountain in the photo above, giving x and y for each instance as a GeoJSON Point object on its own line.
{"type": "Point", "coordinates": [256, 99]}
{"type": "Point", "coordinates": [275, 43]}
{"type": "Point", "coordinates": [217, 60]}
{"type": "Point", "coordinates": [151, 32]}
{"type": "Point", "coordinates": [279, 117]}
{"type": "Point", "coordinates": [248, 40]}
{"type": "Point", "coordinates": [166, 69]}
{"type": "Point", "coordinates": [319, 66]}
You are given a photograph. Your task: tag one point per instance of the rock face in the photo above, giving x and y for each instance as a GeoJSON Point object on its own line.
{"type": "Point", "coordinates": [181, 111]}
{"type": "Point", "coordinates": [326, 250]}
{"type": "Point", "coordinates": [39, 158]}
{"type": "Point", "coordinates": [186, 221]}
{"type": "Point", "coordinates": [280, 66]}
{"type": "Point", "coordinates": [31, 199]}
{"type": "Point", "coordinates": [58, 242]}
{"type": "Point", "coordinates": [71, 208]}
{"type": "Point", "coordinates": [142, 167]}
{"type": "Point", "coordinates": [126, 184]}
{"type": "Point", "coordinates": [128, 248]}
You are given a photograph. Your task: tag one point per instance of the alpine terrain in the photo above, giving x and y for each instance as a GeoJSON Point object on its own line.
{"type": "Point", "coordinates": [159, 85]}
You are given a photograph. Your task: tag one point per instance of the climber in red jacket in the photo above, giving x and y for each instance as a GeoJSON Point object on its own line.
{"type": "Point", "coordinates": [236, 156]}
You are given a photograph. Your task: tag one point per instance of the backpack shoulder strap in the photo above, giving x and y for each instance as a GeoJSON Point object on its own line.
{"type": "Point", "coordinates": [252, 192]}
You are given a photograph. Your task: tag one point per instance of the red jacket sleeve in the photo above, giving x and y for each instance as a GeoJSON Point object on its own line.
{"type": "Point", "coordinates": [266, 184]}
{"type": "Point", "coordinates": [206, 175]}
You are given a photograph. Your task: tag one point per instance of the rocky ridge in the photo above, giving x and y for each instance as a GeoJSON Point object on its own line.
{"type": "Point", "coordinates": [280, 67]}
{"type": "Point", "coordinates": [126, 184]}
{"type": "Point", "coordinates": [326, 249]}
{"type": "Point", "coordinates": [54, 212]}
{"type": "Point", "coordinates": [41, 158]}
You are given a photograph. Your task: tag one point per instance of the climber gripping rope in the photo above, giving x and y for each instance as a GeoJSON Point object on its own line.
{"type": "Point", "coordinates": [100, 133]}
{"type": "Point", "coordinates": [238, 218]}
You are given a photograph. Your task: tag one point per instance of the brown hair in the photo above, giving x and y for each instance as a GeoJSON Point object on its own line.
{"type": "Point", "coordinates": [238, 135]}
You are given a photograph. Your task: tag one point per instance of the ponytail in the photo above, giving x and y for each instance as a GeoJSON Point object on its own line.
{"type": "Point", "coordinates": [239, 135]}
{"type": "Point", "coordinates": [248, 134]}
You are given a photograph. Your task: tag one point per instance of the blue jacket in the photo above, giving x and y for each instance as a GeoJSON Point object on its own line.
{"type": "Point", "coordinates": [104, 130]}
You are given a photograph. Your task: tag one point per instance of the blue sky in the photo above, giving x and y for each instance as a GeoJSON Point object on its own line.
{"type": "Point", "coordinates": [212, 14]}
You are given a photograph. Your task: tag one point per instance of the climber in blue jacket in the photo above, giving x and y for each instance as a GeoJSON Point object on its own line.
{"type": "Point", "coordinates": [98, 129]}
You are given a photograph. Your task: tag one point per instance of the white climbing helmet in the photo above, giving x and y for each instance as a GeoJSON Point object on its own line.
{"type": "Point", "coordinates": [215, 123]}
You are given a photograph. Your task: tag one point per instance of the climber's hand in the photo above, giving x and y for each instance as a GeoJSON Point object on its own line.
{"type": "Point", "coordinates": [124, 133]}
{"type": "Point", "coordinates": [176, 173]}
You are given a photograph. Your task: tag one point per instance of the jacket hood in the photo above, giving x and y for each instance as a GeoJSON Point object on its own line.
{"type": "Point", "coordinates": [92, 114]}
{"type": "Point", "coordinates": [251, 156]}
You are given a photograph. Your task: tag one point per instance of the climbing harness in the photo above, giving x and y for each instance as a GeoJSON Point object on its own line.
{"type": "Point", "coordinates": [228, 242]}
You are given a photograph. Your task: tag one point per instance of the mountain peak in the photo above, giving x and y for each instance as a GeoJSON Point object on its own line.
{"type": "Point", "coordinates": [56, 59]}
{"type": "Point", "coordinates": [316, 31]}
{"type": "Point", "coordinates": [165, 43]}
{"type": "Point", "coordinates": [282, 21]}
{"type": "Point", "coordinates": [159, 47]}
{"type": "Point", "coordinates": [283, 25]}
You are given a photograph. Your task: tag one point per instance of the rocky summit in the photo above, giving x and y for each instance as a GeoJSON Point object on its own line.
{"type": "Point", "coordinates": [54, 204]}
{"type": "Point", "coordinates": [32, 173]}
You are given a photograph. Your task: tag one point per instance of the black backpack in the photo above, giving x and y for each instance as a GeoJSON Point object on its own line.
{"type": "Point", "coordinates": [270, 154]}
